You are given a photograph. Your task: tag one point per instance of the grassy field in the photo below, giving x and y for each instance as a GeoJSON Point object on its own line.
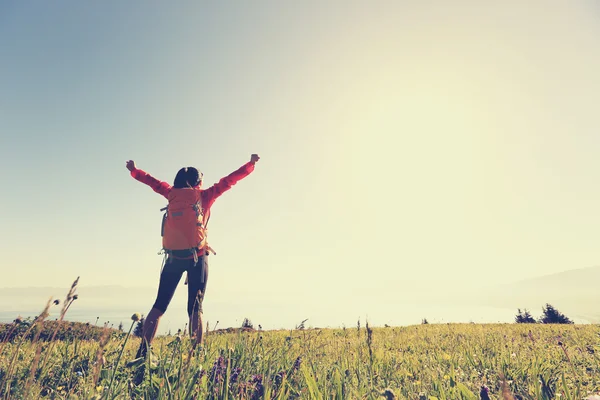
{"type": "Point", "coordinates": [518, 361]}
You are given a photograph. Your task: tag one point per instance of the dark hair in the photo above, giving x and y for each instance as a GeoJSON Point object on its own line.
{"type": "Point", "coordinates": [187, 177]}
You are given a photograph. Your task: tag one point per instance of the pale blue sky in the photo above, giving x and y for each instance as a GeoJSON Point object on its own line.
{"type": "Point", "coordinates": [401, 141]}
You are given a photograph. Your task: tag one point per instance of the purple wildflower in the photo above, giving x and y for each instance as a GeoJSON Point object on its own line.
{"type": "Point", "coordinates": [218, 369]}
{"type": "Point", "coordinates": [279, 378]}
{"type": "Point", "coordinates": [484, 393]}
{"type": "Point", "coordinates": [297, 363]}
{"type": "Point", "coordinates": [259, 389]}
{"type": "Point", "coordinates": [235, 374]}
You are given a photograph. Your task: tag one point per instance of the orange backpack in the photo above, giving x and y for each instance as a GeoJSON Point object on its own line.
{"type": "Point", "coordinates": [183, 222]}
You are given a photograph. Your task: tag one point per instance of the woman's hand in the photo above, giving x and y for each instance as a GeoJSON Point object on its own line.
{"type": "Point", "coordinates": [130, 165]}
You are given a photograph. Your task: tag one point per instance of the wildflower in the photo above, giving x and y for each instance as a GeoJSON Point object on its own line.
{"type": "Point", "coordinates": [389, 394]}
{"type": "Point", "coordinates": [279, 378]}
{"type": "Point", "coordinates": [218, 370]}
{"type": "Point", "coordinates": [484, 393]}
{"type": "Point", "coordinates": [297, 363]}
{"type": "Point", "coordinates": [136, 317]}
{"type": "Point", "coordinates": [234, 375]}
{"type": "Point", "coordinates": [259, 389]}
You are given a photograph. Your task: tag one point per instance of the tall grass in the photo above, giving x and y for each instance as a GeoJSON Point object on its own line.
{"type": "Point", "coordinates": [419, 362]}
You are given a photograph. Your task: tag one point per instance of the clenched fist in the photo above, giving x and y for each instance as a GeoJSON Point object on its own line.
{"type": "Point", "coordinates": [130, 165]}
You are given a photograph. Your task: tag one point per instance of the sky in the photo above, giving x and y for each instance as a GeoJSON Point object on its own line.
{"type": "Point", "coordinates": [403, 144]}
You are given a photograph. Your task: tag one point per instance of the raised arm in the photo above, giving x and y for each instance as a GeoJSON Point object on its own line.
{"type": "Point", "coordinates": [227, 182]}
{"type": "Point", "coordinates": [160, 187]}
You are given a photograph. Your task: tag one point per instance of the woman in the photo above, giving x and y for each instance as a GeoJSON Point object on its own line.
{"type": "Point", "coordinates": [184, 241]}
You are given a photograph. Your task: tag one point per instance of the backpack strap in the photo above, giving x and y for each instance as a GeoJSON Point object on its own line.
{"type": "Point", "coordinates": [164, 220]}
{"type": "Point", "coordinates": [198, 208]}
{"type": "Point", "coordinates": [166, 259]}
{"type": "Point", "coordinates": [195, 254]}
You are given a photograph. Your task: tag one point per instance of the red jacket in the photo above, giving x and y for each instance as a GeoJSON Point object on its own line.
{"type": "Point", "coordinates": [208, 195]}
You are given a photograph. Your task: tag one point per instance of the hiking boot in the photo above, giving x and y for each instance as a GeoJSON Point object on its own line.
{"type": "Point", "coordinates": [142, 350]}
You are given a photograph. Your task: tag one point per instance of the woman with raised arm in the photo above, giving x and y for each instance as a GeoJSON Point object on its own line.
{"type": "Point", "coordinates": [184, 240]}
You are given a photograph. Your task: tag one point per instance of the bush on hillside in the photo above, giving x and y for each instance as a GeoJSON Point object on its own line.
{"type": "Point", "coordinates": [552, 316]}
{"type": "Point", "coordinates": [524, 317]}
{"type": "Point", "coordinates": [67, 331]}
{"type": "Point", "coordinates": [247, 324]}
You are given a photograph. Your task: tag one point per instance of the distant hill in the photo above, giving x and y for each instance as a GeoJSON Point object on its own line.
{"type": "Point", "coordinates": [67, 330]}
{"type": "Point", "coordinates": [90, 297]}
{"type": "Point", "coordinates": [573, 292]}
{"type": "Point", "coordinates": [580, 279]}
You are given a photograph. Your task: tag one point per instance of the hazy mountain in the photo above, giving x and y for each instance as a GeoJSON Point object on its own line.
{"type": "Point", "coordinates": [34, 298]}
{"type": "Point", "coordinates": [573, 292]}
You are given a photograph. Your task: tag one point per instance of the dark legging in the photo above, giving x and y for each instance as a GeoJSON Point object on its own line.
{"type": "Point", "coordinates": [170, 277]}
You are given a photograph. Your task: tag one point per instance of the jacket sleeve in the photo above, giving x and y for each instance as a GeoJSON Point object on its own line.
{"type": "Point", "coordinates": [227, 182]}
{"type": "Point", "coordinates": [162, 188]}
